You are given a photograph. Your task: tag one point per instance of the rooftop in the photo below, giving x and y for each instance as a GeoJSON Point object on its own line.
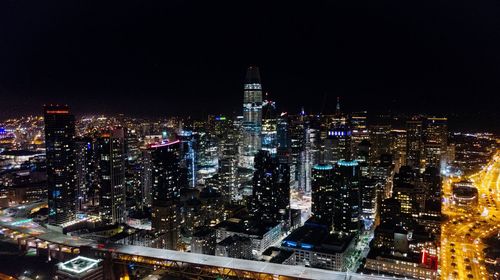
{"type": "Point", "coordinates": [78, 265]}
{"type": "Point", "coordinates": [316, 238]}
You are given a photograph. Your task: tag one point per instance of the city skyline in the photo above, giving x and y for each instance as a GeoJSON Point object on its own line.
{"type": "Point", "coordinates": [164, 140]}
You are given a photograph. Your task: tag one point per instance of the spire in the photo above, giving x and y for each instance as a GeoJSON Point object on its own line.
{"type": "Point", "coordinates": [338, 105]}
{"type": "Point", "coordinates": [253, 75]}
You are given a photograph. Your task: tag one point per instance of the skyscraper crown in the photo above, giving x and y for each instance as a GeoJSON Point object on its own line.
{"type": "Point", "coordinates": [253, 75]}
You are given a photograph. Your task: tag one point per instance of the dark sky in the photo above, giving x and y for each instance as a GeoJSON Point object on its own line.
{"type": "Point", "coordinates": [177, 57]}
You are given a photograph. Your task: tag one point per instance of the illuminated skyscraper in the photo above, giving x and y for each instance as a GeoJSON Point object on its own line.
{"type": "Point", "coordinates": [322, 206]}
{"type": "Point", "coordinates": [271, 187]}
{"type": "Point", "coordinates": [269, 127]}
{"type": "Point", "coordinates": [347, 197]}
{"type": "Point", "coordinates": [360, 131]}
{"type": "Point", "coordinates": [414, 143]}
{"type": "Point", "coordinates": [85, 170]}
{"type": "Point", "coordinates": [380, 137]}
{"type": "Point", "coordinates": [60, 152]}
{"type": "Point", "coordinates": [252, 118]}
{"type": "Point", "coordinates": [436, 142]}
{"type": "Point", "coordinates": [167, 181]}
{"type": "Point", "coordinates": [111, 174]}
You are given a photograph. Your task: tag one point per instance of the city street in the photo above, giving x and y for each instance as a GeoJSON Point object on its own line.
{"type": "Point", "coordinates": [461, 239]}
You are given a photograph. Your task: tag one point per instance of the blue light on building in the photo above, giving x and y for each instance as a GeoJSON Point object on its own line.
{"type": "Point", "coordinates": [323, 167]}
{"type": "Point", "coordinates": [347, 163]}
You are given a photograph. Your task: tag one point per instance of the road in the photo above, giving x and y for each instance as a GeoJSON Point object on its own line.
{"type": "Point", "coordinates": [461, 238]}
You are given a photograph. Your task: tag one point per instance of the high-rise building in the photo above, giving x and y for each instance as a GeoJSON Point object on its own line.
{"type": "Point", "coordinates": [252, 117]}
{"type": "Point", "coordinates": [271, 187]}
{"type": "Point", "coordinates": [380, 137]}
{"type": "Point", "coordinates": [322, 204]}
{"type": "Point", "coordinates": [85, 170]}
{"type": "Point", "coordinates": [269, 127]}
{"type": "Point", "coordinates": [188, 155]}
{"type": "Point", "coordinates": [436, 142]}
{"type": "Point", "coordinates": [167, 181]}
{"type": "Point", "coordinates": [338, 144]}
{"type": "Point", "coordinates": [398, 147]}
{"type": "Point", "coordinates": [347, 197]}
{"type": "Point", "coordinates": [414, 142]}
{"type": "Point", "coordinates": [60, 153]}
{"type": "Point", "coordinates": [360, 132]}
{"type": "Point", "coordinates": [297, 140]}
{"type": "Point", "coordinates": [111, 176]}
{"type": "Point", "coordinates": [369, 202]}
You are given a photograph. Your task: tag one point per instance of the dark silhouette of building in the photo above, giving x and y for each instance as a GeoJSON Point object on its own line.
{"type": "Point", "coordinates": [271, 187]}
{"type": "Point", "coordinates": [110, 150]}
{"type": "Point", "coordinates": [60, 152]}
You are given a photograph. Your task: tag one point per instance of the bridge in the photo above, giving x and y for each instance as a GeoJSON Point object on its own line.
{"type": "Point", "coordinates": [30, 235]}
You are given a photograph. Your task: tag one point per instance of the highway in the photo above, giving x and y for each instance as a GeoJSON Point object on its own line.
{"type": "Point", "coordinates": [461, 237]}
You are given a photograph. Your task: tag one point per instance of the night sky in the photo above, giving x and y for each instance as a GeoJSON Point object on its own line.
{"type": "Point", "coordinates": [172, 57]}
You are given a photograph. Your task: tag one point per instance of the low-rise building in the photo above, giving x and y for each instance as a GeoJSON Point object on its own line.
{"type": "Point", "coordinates": [235, 247]}
{"type": "Point", "coordinates": [262, 235]}
{"type": "Point", "coordinates": [80, 268]}
{"type": "Point", "coordinates": [315, 246]}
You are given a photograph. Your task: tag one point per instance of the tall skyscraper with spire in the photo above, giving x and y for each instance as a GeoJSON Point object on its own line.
{"type": "Point", "coordinates": [252, 118]}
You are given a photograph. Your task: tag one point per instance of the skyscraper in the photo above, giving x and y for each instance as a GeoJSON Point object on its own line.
{"type": "Point", "coordinates": [111, 176]}
{"type": "Point", "coordinates": [167, 181]}
{"type": "Point", "coordinates": [271, 187]}
{"type": "Point", "coordinates": [323, 193]}
{"type": "Point", "coordinates": [380, 137]}
{"type": "Point", "coordinates": [60, 152]}
{"type": "Point", "coordinates": [252, 117]}
{"type": "Point", "coordinates": [414, 143]}
{"type": "Point", "coordinates": [360, 131]}
{"type": "Point", "coordinates": [435, 141]}
{"type": "Point", "coordinates": [269, 127]}
{"type": "Point", "coordinates": [85, 170]}
{"type": "Point", "coordinates": [347, 197]}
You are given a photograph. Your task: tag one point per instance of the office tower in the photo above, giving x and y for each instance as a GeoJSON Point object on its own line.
{"type": "Point", "coordinates": [60, 153]}
{"type": "Point", "coordinates": [228, 157]}
{"type": "Point", "coordinates": [338, 144]}
{"type": "Point", "coordinates": [252, 117]}
{"type": "Point", "coordinates": [283, 134]}
{"type": "Point", "coordinates": [390, 211]}
{"type": "Point", "coordinates": [369, 202]}
{"type": "Point", "coordinates": [323, 196]}
{"type": "Point", "coordinates": [207, 155]}
{"type": "Point", "coordinates": [310, 155]}
{"type": "Point", "coordinates": [363, 157]}
{"type": "Point", "coordinates": [360, 132]}
{"type": "Point", "coordinates": [398, 147]}
{"type": "Point", "coordinates": [167, 182]}
{"type": "Point", "coordinates": [110, 152]}
{"type": "Point", "coordinates": [269, 127]}
{"type": "Point", "coordinates": [414, 144]}
{"type": "Point", "coordinates": [146, 178]}
{"type": "Point", "coordinates": [297, 144]}
{"type": "Point", "coordinates": [436, 142]}
{"type": "Point", "coordinates": [85, 171]}
{"type": "Point", "coordinates": [188, 155]}
{"type": "Point", "coordinates": [133, 169]}
{"type": "Point", "coordinates": [271, 187]}
{"type": "Point", "coordinates": [347, 197]}
{"type": "Point", "coordinates": [380, 137]}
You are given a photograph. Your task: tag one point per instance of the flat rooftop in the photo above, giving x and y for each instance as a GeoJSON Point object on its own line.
{"type": "Point", "coordinates": [298, 272]}
{"type": "Point", "coordinates": [78, 265]}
